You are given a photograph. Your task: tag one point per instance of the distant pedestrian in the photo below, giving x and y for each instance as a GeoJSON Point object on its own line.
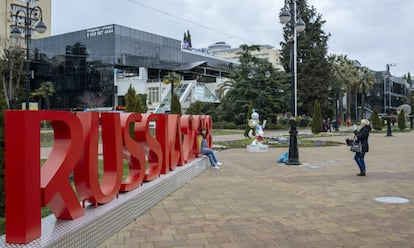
{"type": "Point", "coordinates": [205, 150]}
{"type": "Point", "coordinates": [348, 121]}
{"type": "Point", "coordinates": [362, 136]}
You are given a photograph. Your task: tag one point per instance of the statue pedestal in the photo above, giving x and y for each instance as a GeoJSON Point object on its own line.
{"type": "Point", "coordinates": [257, 148]}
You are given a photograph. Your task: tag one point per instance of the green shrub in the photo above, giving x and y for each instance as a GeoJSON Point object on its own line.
{"type": "Point", "coordinates": [377, 122]}
{"type": "Point", "coordinates": [401, 120]}
{"type": "Point", "coordinates": [195, 108]}
{"type": "Point", "coordinates": [226, 125]}
{"type": "Point", "coordinates": [175, 105]}
{"type": "Point", "coordinates": [316, 125]}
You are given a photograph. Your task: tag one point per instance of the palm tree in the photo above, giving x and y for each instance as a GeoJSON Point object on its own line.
{"type": "Point", "coordinates": [245, 54]}
{"type": "Point", "coordinates": [45, 90]}
{"type": "Point", "coordinates": [339, 76]}
{"type": "Point", "coordinates": [350, 73]}
{"type": "Point", "coordinates": [365, 83]}
{"type": "Point", "coordinates": [346, 74]}
{"type": "Point", "coordinates": [225, 87]}
{"type": "Point", "coordinates": [174, 79]}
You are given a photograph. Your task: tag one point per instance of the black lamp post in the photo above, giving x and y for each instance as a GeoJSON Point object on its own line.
{"type": "Point", "coordinates": [29, 15]}
{"type": "Point", "coordinates": [288, 15]}
{"type": "Point", "coordinates": [389, 89]}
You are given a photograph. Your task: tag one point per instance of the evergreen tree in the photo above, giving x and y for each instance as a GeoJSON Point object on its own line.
{"type": "Point", "coordinates": [187, 40]}
{"type": "Point", "coordinates": [175, 105]}
{"type": "Point", "coordinates": [138, 104]}
{"type": "Point", "coordinates": [313, 68]}
{"type": "Point", "coordinates": [190, 45]}
{"type": "Point", "coordinates": [316, 118]}
{"type": "Point", "coordinates": [132, 102]}
{"type": "Point", "coordinates": [401, 120]}
{"type": "Point", "coordinates": [376, 120]}
{"type": "Point", "coordinates": [195, 108]}
{"type": "Point", "coordinates": [143, 102]}
{"type": "Point", "coordinates": [135, 102]}
{"type": "Point", "coordinates": [254, 81]}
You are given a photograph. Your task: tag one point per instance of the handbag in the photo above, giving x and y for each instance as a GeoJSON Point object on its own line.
{"type": "Point", "coordinates": [356, 147]}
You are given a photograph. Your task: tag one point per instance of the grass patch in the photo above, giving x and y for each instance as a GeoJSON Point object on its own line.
{"type": "Point", "coordinates": [276, 142]}
{"type": "Point", "coordinates": [226, 131]}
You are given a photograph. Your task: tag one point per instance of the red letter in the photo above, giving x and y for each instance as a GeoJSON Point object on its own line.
{"type": "Point", "coordinates": [174, 154]}
{"type": "Point", "coordinates": [189, 137]}
{"type": "Point", "coordinates": [151, 146]}
{"type": "Point", "coordinates": [133, 152]}
{"type": "Point", "coordinates": [86, 172]}
{"type": "Point", "coordinates": [26, 182]}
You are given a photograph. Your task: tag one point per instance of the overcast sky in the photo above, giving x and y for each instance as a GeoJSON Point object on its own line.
{"type": "Point", "coordinates": [374, 32]}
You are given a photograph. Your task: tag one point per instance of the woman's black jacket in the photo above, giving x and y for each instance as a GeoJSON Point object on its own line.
{"type": "Point", "coordinates": [362, 135]}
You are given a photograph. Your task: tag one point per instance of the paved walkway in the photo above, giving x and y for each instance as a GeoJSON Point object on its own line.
{"type": "Point", "coordinates": [252, 201]}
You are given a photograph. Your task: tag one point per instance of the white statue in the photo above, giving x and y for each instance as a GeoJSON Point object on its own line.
{"type": "Point", "coordinates": [254, 124]}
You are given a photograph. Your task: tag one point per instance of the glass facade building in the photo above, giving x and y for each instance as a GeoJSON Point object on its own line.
{"type": "Point", "coordinates": [88, 60]}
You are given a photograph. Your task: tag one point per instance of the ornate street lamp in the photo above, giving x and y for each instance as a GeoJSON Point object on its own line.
{"type": "Point", "coordinates": [388, 89]}
{"type": "Point", "coordinates": [30, 15]}
{"type": "Point", "coordinates": [289, 15]}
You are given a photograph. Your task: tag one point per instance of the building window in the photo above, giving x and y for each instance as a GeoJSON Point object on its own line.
{"type": "Point", "coordinates": [154, 94]}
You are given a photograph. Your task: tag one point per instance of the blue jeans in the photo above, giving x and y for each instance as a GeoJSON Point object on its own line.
{"type": "Point", "coordinates": [359, 159]}
{"type": "Point", "coordinates": [210, 154]}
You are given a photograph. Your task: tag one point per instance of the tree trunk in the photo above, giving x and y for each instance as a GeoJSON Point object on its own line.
{"type": "Point", "coordinates": [363, 102]}
{"type": "Point", "coordinates": [348, 103]}
{"type": "Point", "coordinates": [6, 97]}
{"type": "Point", "coordinates": [10, 90]}
{"type": "Point", "coordinates": [172, 95]}
{"type": "Point", "coordinates": [341, 108]}
{"type": "Point", "coordinates": [40, 104]}
{"type": "Point", "coordinates": [47, 101]}
{"type": "Point", "coordinates": [356, 105]}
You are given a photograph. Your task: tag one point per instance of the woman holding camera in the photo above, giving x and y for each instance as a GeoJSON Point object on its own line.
{"type": "Point", "coordinates": [362, 136]}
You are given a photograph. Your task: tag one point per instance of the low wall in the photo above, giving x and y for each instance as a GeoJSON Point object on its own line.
{"type": "Point", "coordinates": [98, 224]}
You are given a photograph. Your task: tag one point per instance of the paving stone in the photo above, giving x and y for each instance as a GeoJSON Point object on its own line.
{"type": "Point", "coordinates": [252, 201]}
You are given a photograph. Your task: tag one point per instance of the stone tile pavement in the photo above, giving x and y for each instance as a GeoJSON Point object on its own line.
{"type": "Point", "coordinates": [252, 201]}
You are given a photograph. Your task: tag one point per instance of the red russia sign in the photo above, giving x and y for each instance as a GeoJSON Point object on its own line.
{"type": "Point", "coordinates": [75, 150]}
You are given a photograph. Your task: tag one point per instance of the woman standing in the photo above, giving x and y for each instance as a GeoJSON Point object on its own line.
{"type": "Point", "coordinates": [362, 136]}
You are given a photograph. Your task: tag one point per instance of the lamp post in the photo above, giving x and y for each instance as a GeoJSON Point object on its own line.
{"type": "Point", "coordinates": [388, 89]}
{"type": "Point", "coordinates": [29, 15]}
{"type": "Point", "coordinates": [288, 15]}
